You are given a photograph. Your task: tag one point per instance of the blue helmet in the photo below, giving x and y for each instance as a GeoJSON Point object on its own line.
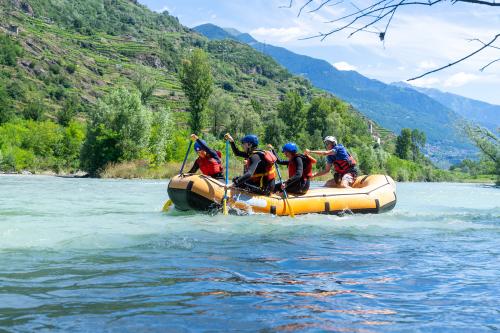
{"type": "Point", "coordinates": [290, 147]}
{"type": "Point", "coordinates": [251, 139]}
{"type": "Point", "coordinates": [197, 146]}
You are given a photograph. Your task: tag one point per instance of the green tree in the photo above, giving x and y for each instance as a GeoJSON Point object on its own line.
{"type": "Point", "coordinates": [9, 50]}
{"type": "Point", "coordinates": [34, 110]}
{"type": "Point", "coordinates": [118, 130]}
{"type": "Point", "coordinates": [146, 84]}
{"type": "Point", "coordinates": [275, 131]}
{"type": "Point", "coordinates": [488, 143]}
{"type": "Point", "coordinates": [220, 108]}
{"type": "Point", "coordinates": [404, 144]}
{"type": "Point", "coordinates": [293, 114]}
{"type": "Point", "coordinates": [161, 133]}
{"type": "Point", "coordinates": [68, 111]}
{"type": "Point", "coordinates": [6, 109]}
{"type": "Point", "coordinates": [197, 83]}
{"type": "Point", "coordinates": [418, 142]}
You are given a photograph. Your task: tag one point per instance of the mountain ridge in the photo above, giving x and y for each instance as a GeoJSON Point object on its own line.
{"type": "Point", "coordinates": [391, 106]}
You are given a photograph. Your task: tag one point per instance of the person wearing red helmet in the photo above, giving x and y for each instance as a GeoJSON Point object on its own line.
{"type": "Point", "coordinates": [259, 172]}
{"type": "Point", "coordinates": [208, 160]}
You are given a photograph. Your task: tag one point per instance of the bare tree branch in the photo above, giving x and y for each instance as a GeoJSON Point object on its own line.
{"type": "Point", "coordinates": [480, 2]}
{"type": "Point", "coordinates": [289, 5]}
{"type": "Point", "coordinates": [304, 6]}
{"type": "Point", "coordinates": [459, 60]}
{"type": "Point", "coordinates": [383, 11]}
{"type": "Point", "coordinates": [324, 3]}
{"type": "Point", "coordinates": [488, 64]}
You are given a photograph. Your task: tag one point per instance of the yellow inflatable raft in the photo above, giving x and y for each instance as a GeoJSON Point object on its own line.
{"type": "Point", "coordinates": [370, 194]}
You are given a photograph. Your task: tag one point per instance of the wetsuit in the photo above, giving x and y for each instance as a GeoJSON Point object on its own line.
{"type": "Point", "coordinates": [296, 183]}
{"type": "Point", "coordinates": [255, 165]}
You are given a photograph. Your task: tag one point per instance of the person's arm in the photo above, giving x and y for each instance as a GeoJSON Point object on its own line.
{"type": "Point", "coordinates": [209, 150]}
{"type": "Point", "coordinates": [327, 169]}
{"type": "Point", "coordinates": [236, 151]}
{"type": "Point", "coordinates": [278, 160]}
{"type": "Point", "coordinates": [298, 172]}
{"type": "Point", "coordinates": [282, 162]}
{"type": "Point", "coordinates": [194, 168]}
{"type": "Point", "coordinates": [254, 162]}
{"type": "Point", "coordinates": [321, 152]}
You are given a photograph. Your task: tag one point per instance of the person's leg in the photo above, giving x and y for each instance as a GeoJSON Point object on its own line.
{"type": "Point", "coordinates": [347, 180]}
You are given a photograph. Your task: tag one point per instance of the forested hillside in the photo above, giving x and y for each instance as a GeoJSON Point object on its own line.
{"type": "Point", "coordinates": [76, 75]}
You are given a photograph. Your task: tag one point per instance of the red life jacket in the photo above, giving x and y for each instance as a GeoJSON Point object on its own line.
{"type": "Point", "coordinates": [307, 162]}
{"type": "Point", "coordinates": [210, 166]}
{"type": "Point", "coordinates": [270, 172]}
{"type": "Point", "coordinates": [344, 166]}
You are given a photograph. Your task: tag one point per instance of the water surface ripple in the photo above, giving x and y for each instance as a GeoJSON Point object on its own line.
{"type": "Point", "coordinates": [87, 255]}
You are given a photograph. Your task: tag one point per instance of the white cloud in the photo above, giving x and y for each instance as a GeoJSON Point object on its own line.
{"type": "Point", "coordinates": [164, 8]}
{"type": "Point", "coordinates": [280, 34]}
{"type": "Point", "coordinates": [213, 16]}
{"type": "Point", "coordinates": [425, 82]}
{"type": "Point", "coordinates": [427, 64]}
{"type": "Point", "coordinates": [460, 79]}
{"type": "Point", "coordinates": [344, 66]}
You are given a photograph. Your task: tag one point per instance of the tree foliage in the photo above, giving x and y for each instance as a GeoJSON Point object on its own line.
{"type": "Point", "coordinates": [197, 82]}
{"type": "Point", "coordinates": [118, 130]}
{"type": "Point", "coordinates": [9, 51]}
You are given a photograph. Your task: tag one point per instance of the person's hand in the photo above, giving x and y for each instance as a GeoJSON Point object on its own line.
{"type": "Point", "coordinates": [283, 186]}
{"type": "Point", "coordinates": [270, 146]}
{"type": "Point", "coordinates": [307, 152]}
{"type": "Point", "coordinates": [194, 137]}
{"type": "Point", "coordinates": [228, 137]}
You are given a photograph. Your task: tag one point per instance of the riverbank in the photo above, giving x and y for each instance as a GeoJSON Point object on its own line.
{"type": "Point", "coordinates": [140, 170]}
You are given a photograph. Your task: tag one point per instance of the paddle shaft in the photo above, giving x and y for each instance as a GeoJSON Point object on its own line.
{"type": "Point", "coordinates": [227, 177]}
{"type": "Point", "coordinates": [185, 157]}
{"type": "Point", "coordinates": [284, 191]}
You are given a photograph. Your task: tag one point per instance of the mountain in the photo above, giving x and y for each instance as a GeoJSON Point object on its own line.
{"type": "Point", "coordinates": [482, 113]}
{"type": "Point", "coordinates": [83, 49]}
{"type": "Point", "coordinates": [393, 107]}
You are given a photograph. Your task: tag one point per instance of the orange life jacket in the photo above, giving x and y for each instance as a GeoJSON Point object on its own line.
{"type": "Point", "coordinates": [210, 166]}
{"type": "Point", "coordinates": [307, 161]}
{"type": "Point", "coordinates": [270, 172]}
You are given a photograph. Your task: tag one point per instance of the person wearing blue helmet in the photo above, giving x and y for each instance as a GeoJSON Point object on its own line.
{"type": "Point", "coordinates": [208, 160]}
{"type": "Point", "coordinates": [299, 170]}
{"type": "Point", "coordinates": [259, 172]}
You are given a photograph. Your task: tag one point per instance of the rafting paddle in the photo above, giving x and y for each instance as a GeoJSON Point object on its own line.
{"type": "Point", "coordinates": [224, 201]}
{"type": "Point", "coordinates": [284, 191]}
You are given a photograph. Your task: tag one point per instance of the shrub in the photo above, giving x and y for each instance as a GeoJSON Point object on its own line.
{"type": "Point", "coordinates": [10, 50]}
{"type": "Point", "coordinates": [118, 130]}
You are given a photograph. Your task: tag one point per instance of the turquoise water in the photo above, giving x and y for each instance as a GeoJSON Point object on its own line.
{"type": "Point", "coordinates": [87, 255]}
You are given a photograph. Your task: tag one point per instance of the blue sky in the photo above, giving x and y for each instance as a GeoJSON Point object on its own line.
{"type": "Point", "coordinates": [419, 39]}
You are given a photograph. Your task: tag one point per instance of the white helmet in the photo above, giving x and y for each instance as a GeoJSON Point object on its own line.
{"type": "Point", "coordinates": [330, 139]}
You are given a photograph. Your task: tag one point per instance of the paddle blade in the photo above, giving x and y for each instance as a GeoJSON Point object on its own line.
{"type": "Point", "coordinates": [167, 205]}
{"type": "Point", "coordinates": [224, 206]}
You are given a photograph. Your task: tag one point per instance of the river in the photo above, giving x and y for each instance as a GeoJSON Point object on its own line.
{"type": "Point", "coordinates": [90, 255]}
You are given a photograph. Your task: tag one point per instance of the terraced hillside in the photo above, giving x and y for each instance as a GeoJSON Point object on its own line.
{"type": "Point", "coordinates": [86, 48]}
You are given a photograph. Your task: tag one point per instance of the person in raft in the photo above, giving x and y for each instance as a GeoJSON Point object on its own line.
{"type": "Point", "coordinates": [259, 171]}
{"type": "Point", "coordinates": [208, 160]}
{"type": "Point", "coordinates": [344, 164]}
{"type": "Point", "coordinates": [299, 170]}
